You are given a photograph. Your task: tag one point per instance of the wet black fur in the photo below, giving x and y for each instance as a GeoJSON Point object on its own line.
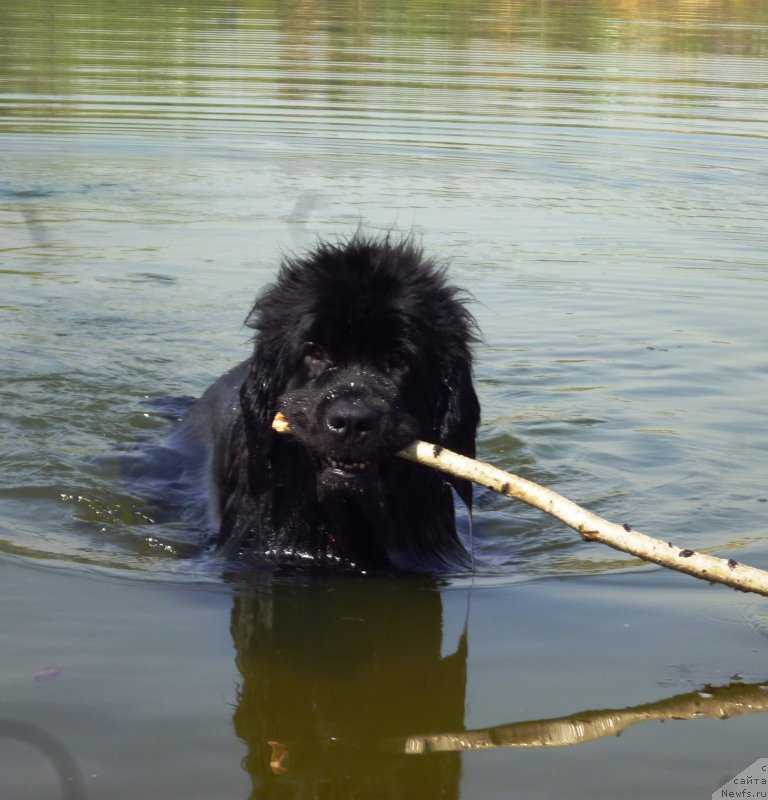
{"type": "Point", "coordinates": [364, 346]}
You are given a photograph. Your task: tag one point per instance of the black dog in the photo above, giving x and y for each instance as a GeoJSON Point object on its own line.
{"type": "Point", "coordinates": [364, 347]}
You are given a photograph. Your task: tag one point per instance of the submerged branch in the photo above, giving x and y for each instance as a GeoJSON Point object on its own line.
{"type": "Point", "coordinates": [711, 703]}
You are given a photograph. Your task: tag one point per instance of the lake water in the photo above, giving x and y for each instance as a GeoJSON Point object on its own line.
{"type": "Point", "coordinates": [595, 175]}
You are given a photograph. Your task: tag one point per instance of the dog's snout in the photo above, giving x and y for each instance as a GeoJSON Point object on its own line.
{"type": "Point", "coordinates": [350, 418]}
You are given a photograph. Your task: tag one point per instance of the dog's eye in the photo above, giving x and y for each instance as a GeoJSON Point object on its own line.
{"type": "Point", "coordinates": [314, 354]}
{"type": "Point", "coordinates": [396, 361]}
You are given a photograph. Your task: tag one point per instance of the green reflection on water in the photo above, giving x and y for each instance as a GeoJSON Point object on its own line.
{"type": "Point", "coordinates": [61, 47]}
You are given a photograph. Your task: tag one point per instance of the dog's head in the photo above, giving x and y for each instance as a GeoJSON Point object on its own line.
{"type": "Point", "coordinates": [364, 347]}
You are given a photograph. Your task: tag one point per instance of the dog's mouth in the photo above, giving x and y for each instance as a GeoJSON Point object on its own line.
{"type": "Point", "coordinates": [348, 475]}
{"type": "Point", "coordinates": [347, 467]}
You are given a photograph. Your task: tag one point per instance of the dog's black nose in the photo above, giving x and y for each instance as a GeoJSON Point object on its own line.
{"type": "Point", "coordinates": [349, 418]}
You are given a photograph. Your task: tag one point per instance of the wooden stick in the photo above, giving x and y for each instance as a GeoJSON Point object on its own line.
{"type": "Point", "coordinates": [720, 702]}
{"type": "Point", "coordinates": [591, 527]}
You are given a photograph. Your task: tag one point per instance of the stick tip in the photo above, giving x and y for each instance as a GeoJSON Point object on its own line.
{"type": "Point", "coordinates": [280, 423]}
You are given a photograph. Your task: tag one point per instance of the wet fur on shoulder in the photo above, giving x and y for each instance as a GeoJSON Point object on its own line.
{"type": "Point", "coordinates": [364, 346]}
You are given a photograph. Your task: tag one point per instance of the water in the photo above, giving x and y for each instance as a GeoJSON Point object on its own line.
{"type": "Point", "coordinates": [596, 180]}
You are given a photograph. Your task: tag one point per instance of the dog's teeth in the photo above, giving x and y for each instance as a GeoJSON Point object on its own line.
{"type": "Point", "coordinates": [353, 466]}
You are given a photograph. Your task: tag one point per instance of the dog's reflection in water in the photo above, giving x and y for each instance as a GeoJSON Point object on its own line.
{"type": "Point", "coordinates": [334, 669]}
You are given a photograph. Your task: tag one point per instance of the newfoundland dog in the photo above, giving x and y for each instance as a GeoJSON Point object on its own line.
{"type": "Point", "coordinates": [363, 346]}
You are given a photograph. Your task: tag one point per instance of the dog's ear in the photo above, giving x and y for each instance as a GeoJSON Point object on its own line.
{"type": "Point", "coordinates": [266, 381]}
{"type": "Point", "coordinates": [458, 417]}
{"type": "Point", "coordinates": [260, 391]}
{"type": "Point", "coordinates": [270, 367]}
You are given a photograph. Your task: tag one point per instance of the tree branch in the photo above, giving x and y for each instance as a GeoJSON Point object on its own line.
{"type": "Point", "coordinates": [711, 703]}
{"type": "Point", "coordinates": [591, 527]}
